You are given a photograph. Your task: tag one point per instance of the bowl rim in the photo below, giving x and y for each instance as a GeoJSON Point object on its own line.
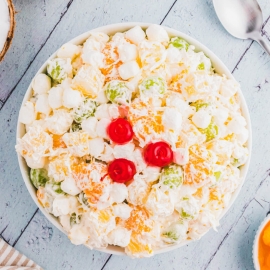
{"type": "Point", "coordinates": [121, 27]}
{"type": "Point", "coordinates": [255, 248]}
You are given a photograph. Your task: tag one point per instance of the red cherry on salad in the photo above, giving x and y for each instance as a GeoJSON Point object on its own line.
{"type": "Point", "coordinates": [120, 131]}
{"type": "Point", "coordinates": [121, 170]}
{"type": "Point", "coordinates": [158, 154]}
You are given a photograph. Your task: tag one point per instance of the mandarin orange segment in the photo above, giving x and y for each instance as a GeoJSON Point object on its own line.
{"type": "Point", "coordinates": [136, 221]}
{"type": "Point", "coordinates": [198, 168]}
{"type": "Point", "coordinates": [136, 247]}
{"type": "Point", "coordinates": [94, 192]}
{"type": "Point", "coordinates": [58, 141]}
{"type": "Point", "coordinates": [104, 216]}
{"type": "Point", "coordinates": [151, 122]}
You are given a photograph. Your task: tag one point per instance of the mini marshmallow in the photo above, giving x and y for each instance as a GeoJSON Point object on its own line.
{"type": "Point", "coordinates": [118, 193]}
{"type": "Point", "coordinates": [71, 98]}
{"type": "Point", "coordinates": [127, 52]}
{"type": "Point", "coordinates": [122, 210]}
{"type": "Point", "coordinates": [102, 128]}
{"type": "Point", "coordinates": [41, 84]}
{"type": "Point", "coordinates": [68, 50]}
{"type": "Point", "coordinates": [201, 119]}
{"type": "Point", "coordinates": [69, 186]}
{"type": "Point", "coordinates": [119, 236]}
{"type": "Point", "coordinates": [55, 97]}
{"type": "Point", "coordinates": [157, 33]}
{"type": "Point", "coordinates": [129, 70]}
{"type": "Point", "coordinates": [220, 116]}
{"type": "Point", "coordinates": [93, 58]}
{"type": "Point", "coordinates": [35, 163]}
{"type": "Point", "coordinates": [89, 125]}
{"type": "Point", "coordinates": [181, 156]}
{"type": "Point", "coordinates": [96, 147]}
{"type": "Point", "coordinates": [27, 113]}
{"type": "Point", "coordinates": [135, 35]}
{"type": "Point", "coordinates": [42, 104]}
{"type": "Point", "coordinates": [102, 112]}
{"type": "Point", "coordinates": [172, 119]}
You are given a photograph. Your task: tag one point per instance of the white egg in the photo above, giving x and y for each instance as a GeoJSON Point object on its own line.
{"type": "Point", "coordinates": [127, 52]}
{"type": "Point", "coordinates": [27, 113]}
{"type": "Point", "coordinates": [201, 119]}
{"type": "Point", "coordinates": [129, 70]}
{"type": "Point", "coordinates": [55, 97]}
{"type": "Point", "coordinates": [41, 84]}
{"type": "Point", "coordinates": [68, 50]}
{"type": "Point", "coordinates": [89, 125]}
{"type": "Point", "coordinates": [42, 104]}
{"type": "Point", "coordinates": [71, 98]}
{"type": "Point", "coordinates": [135, 35]}
{"type": "Point", "coordinates": [157, 33]}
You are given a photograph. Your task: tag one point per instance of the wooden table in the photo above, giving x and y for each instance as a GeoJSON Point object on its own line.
{"type": "Point", "coordinates": [42, 27]}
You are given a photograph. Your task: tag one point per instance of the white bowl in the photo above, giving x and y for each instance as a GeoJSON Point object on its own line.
{"type": "Point", "coordinates": [121, 27]}
{"type": "Point", "coordinates": [255, 250]}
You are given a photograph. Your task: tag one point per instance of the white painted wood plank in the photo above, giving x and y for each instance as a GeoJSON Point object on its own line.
{"type": "Point", "coordinates": [35, 20]}
{"type": "Point", "coordinates": [51, 249]}
{"type": "Point", "coordinates": [198, 19]}
{"type": "Point", "coordinates": [16, 206]}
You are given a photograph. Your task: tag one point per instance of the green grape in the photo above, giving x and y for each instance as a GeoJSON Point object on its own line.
{"type": "Point", "coordinates": [85, 110]}
{"type": "Point", "coordinates": [57, 188]}
{"type": "Point", "coordinates": [172, 235]}
{"type": "Point", "coordinates": [211, 131]}
{"type": "Point", "coordinates": [83, 200]}
{"type": "Point", "coordinates": [179, 43]}
{"type": "Point", "coordinates": [171, 176]}
{"type": "Point", "coordinates": [217, 175]}
{"type": "Point", "coordinates": [199, 104]}
{"type": "Point", "coordinates": [175, 232]}
{"type": "Point", "coordinates": [75, 219]}
{"type": "Point", "coordinates": [153, 86]}
{"type": "Point", "coordinates": [59, 69]}
{"type": "Point", "coordinates": [75, 127]}
{"type": "Point", "coordinates": [185, 215]}
{"type": "Point", "coordinates": [117, 91]}
{"type": "Point", "coordinates": [39, 177]}
{"type": "Point", "coordinates": [201, 66]}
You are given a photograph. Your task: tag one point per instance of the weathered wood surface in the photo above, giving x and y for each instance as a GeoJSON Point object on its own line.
{"type": "Point", "coordinates": [42, 27]}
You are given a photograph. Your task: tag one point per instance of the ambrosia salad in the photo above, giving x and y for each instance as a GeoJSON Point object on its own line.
{"type": "Point", "coordinates": [133, 140]}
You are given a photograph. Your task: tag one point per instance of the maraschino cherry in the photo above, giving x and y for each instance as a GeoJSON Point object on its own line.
{"type": "Point", "coordinates": [121, 170]}
{"type": "Point", "coordinates": [120, 131]}
{"type": "Point", "coordinates": [158, 154]}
